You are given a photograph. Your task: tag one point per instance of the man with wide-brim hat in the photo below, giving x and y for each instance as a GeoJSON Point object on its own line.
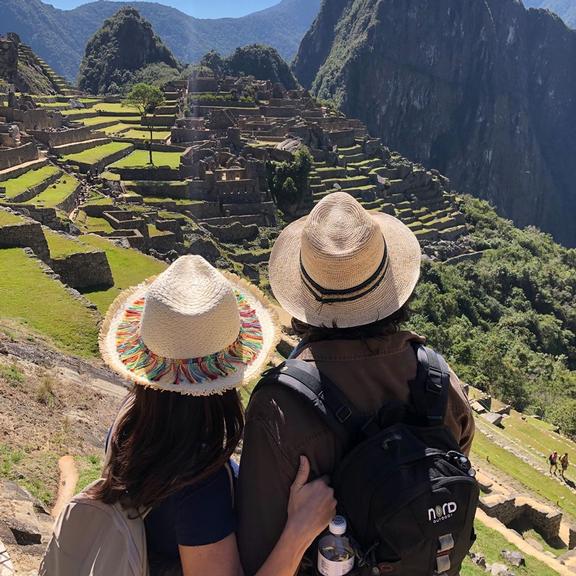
{"type": "Point", "coordinates": [345, 275]}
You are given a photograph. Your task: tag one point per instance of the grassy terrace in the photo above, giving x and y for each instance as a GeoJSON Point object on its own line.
{"type": "Point", "coordinates": [97, 120]}
{"type": "Point", "coordinates": [548, 488]}
{"type": "Point", "coordinates": [24, 293]}
{"type": "Point", "coordinates": [129, 268]}
{"type": "Point", "coordinates": [62, 246]}
{"type": "Point", "coordinates": [115, 128]}
{"type": "Point", "coordinates": [539, 436]}
{"type": "Point", "coordinates": [97, 154]}
{"type": "Point", "coordinates": [9, 219]}
{"type": "Point", "coordinates": [140, 158]}
{"type": "Point", "coordinates": [491, 543]}
{"type": "Point", "coordinates": [144, 134]}
{"type": "Point", "coordinates": [92, 224]}
{"type": "Point", "coordinates": [115, 107]}
{"type": "Point", "coordinates": [32, 178]}
{"type": "Point", "coordinates": [153, 231]}
{"type": "Point", "coordinates": [55, 194]}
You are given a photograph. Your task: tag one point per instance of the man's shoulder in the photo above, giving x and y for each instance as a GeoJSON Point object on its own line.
{"type": "Point", "coordinates": [282, 410]}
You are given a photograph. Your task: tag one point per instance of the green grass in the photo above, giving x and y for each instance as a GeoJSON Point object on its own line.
{"type": "Point", "coordinates": [97, 154]}
{"type": "Point", "coordinates": [129, 268]}
{"type": "Point", "coordinates": [539, 437]}
{"type": "Point", "coordinates": [491, 543]}
{"type": "Point", "coordinates": [70, 114]}
{"type": "Point", "coordinates": [115, 107]}
{"type": "Point", "coordinates": [56, 193]}
{"type": "Point", "coordinates": [28, 468]}
{"type": "Point", "coordinates": [11, 374]}
{"type": "Point", "coordinates": [140, 158]}
{"type": "Point", "coordinates": [29, 296]}
{"type": "Point", "coordinates": [92, 224]}
{"type": "Point", "coordinates": [553, 491]}
{"type": "Point", "coordinates": [9, 219]}
{"type": "Point", "coordinates": [96, 120]}
{"type": "Point", "coordinates": [533, 535]}
{"type": "Point", "coordinates": [89, 470]}
{"type": "Point", "coordinates": [99, 200]}
{"type": "Point", "coordinates": [29, 179]}
{"type": "Point", "coordinates": [153, 231]}
{"type": "Point", "coordinates": [145, 134]}
{"type": "Point", "coordinates": [62, 246]}
{"type": "Point", "coordinates": [115, 128]}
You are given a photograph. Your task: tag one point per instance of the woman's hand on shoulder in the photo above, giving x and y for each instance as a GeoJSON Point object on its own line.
{"type": "Point", "coordinates": [312, 504]}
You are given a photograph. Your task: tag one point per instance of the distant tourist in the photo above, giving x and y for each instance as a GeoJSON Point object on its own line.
{"type": "Point", "coordinates": [553, 461]}
{"type": "Point", "coordinates": [186, 340]}
{"type": "Point", "coordinates": [345, 275]}
{"type": "Point", "coordinates": [564, 463]}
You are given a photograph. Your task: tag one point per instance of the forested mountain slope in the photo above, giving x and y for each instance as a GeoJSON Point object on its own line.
{"type": "Point", "coordinates": [483, 91]}
{"type": "Point", "coordinates": [60, 36]}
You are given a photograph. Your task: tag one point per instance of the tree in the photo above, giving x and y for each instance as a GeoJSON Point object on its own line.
{"type": "Point", "coordinates": [214, 61]}
{"type": "Point", "coordinates": [145, 98]}
{"type": "Point", "coordinates": [289, 191]}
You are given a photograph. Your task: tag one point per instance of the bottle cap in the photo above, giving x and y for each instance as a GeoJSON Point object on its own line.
{"type": "Point", "coordinates": [338, 526]}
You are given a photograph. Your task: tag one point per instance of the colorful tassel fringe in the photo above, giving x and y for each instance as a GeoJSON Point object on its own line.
{"type": "Point", "coordinates": [143, 362]}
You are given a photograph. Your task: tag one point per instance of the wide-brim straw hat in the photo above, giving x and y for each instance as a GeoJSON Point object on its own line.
{"type": "Point", "coordinates": [342, 266]}
{"type": "Point", "coordinates": [192, 330]}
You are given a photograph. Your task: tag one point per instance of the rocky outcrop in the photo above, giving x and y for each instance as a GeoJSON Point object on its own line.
{"type": "Point", "coordinates": [8, 60]}
{"type": "Point", "coordinates": [483, 91]}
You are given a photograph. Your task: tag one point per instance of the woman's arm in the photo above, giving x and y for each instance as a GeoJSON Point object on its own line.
{"type": "Point", "coordinates": [311, 508]}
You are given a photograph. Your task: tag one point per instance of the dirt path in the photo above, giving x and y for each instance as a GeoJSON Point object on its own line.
{"type": "Point", "coordinates": [522, 545]}
{"type": "Point", "coordinates": [67, 486]}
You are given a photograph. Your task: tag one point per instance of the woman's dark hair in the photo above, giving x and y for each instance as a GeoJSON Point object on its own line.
{"type": "Point", "coordinates": [166, 441]}
{"type": "Point", "coordinates": [388, 325]}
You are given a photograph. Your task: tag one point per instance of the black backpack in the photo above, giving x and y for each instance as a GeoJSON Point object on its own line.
{"type": "Point", "coordinates": [407, 491]}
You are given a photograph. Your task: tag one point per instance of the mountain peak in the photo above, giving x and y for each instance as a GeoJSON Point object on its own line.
{"type": "Point", "coordinates": [125, 43]}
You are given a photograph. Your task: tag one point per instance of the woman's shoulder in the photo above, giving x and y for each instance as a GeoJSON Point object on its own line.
{"type": "Point", "coordinates": [205, 511]}
{"type": "Point", "coordinates": [217, 484]}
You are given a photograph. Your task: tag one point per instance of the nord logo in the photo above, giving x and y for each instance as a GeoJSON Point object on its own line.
{"type": "Point", "coordinates": [443, 512]}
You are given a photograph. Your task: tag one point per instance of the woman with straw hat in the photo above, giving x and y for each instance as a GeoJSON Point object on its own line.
{"type": "Point", "coordinates": [344, 275]}
{"type": "Point", "coordinates": [187, 340]}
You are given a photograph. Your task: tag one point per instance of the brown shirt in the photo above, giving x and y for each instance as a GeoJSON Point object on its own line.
{"type": "Point", "coordinates": [280, 428]}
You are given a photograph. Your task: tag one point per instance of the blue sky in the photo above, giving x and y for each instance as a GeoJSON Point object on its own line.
{"type": "Point", "coordinates": [198, 8]}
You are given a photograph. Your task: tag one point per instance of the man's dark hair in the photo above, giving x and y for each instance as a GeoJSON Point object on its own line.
{"type": "Point", "coordinates": [389, 325]}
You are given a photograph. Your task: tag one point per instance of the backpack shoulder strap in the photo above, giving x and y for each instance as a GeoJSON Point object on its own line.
{"type": "Point", "coordinates": [429, 390]}
{"type": "Point", "coordinates": [319, 392]}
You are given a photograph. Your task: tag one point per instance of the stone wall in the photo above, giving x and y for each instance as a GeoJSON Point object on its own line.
{"type": "Point", "coordinates": [8, 60]}
{"type": "Point", "coordinates": [32, 119]}
{"type": "Point", "coordinates": [524, 511]}
{"type": "Point", "coordinates": [152, 174]}
{"type": "Point", "coordinates": [25, 235]}
{"type": "Point", "coordinates": [46, 216]}
{"type": "Point", "coordinates": [84, 270]}
{"type": "Point", "coordinates": [162, 244]}
{"type": "Point", "coordinates": [234, 233]}
{"type": "Point", "coordinates": [68, 204]}
{"type": "Point", "coordinates": [84, 168]}
{"type": "Point", "coordinates": [32, 192]}
{"type": "Point", "coordinates": [160, 190]}
{"type": "Point", "coordinates": [61, 137]}
{"type": "Point", "coordinates": [13, 156]}
{"type": "Point", "coordinates": [204, 210]}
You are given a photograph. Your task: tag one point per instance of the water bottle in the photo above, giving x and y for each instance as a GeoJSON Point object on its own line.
{"type": "Point", "coordinates": [335, 553]}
